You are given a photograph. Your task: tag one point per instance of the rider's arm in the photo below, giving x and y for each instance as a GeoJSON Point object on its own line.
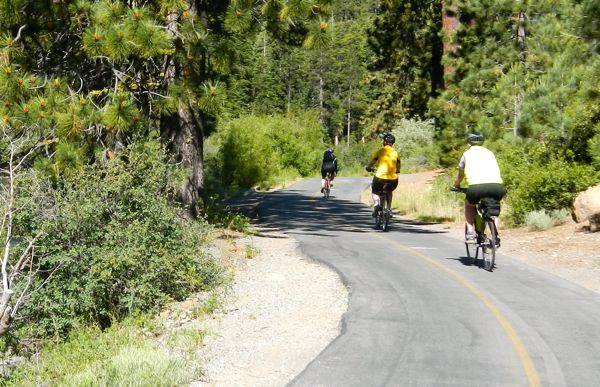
{"type": "Point", "coordinates": [371, 163]}
{"type": "Point", "coordinates": [459, 178]}
{"type": "Point", "coordinates": [461, 172]}
{"type": "Point", "coordinates": [398, 163]}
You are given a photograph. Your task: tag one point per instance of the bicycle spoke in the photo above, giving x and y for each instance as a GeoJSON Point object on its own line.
{"type": "Point", "coordinates": [489, 247]}
{"type": "Point", "coordinates": [386, 219]}
{"type": "Point", "coordinates": [471, 251]}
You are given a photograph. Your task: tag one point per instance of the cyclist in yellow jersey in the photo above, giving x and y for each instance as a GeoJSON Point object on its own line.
{"type": "Point", "coordinates": [479, 167]}
{"type": "Point", "coordinates": [388, 167]}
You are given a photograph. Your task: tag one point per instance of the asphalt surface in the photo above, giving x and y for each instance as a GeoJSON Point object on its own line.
{"type": "Point", "coordinates": [421, 315]}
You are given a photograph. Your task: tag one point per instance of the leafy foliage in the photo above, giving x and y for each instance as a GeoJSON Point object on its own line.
{"type": "Point", "coordinates": [113, 245]}
{"type": "Point", "coordinates": [519, 69]}
{"type": "Point", "coordinates": [551, 184]}
{"type": "Point", "coordinates": [415, 142]}
{"type": "Point", "coordinates": [542, 220]}
{"type": "Point", "coordinates": [407, 71]}
{"type": "Point", "coordinates": [256, 149]}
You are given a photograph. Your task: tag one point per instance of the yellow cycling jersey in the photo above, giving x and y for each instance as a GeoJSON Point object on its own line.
{"type": "Point", "coordinates": [480, 166]}
{"type": "Point", "coordinates": [387, 160]}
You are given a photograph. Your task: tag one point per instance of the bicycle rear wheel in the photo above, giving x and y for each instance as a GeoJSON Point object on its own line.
{"type": "Point", "coordinates": [379, 216]}
{"type": "Point", "coordinates": [378, 219]}
{"type": "Point", "coordinates": [472, 250]}
{"type": "Point", "coordinates": [488, 247]}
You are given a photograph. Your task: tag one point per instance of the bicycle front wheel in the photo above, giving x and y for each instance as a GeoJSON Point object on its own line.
{"type": "Point", "coordinates": [378, 219]}
{"type": "Point", "coordinates": [488, 247]}
{"type": "Point", "coordinates": [386, 219]}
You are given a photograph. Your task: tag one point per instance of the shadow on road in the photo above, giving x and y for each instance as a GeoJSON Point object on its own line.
{"type": "Point", "coordinates": [292, 211]}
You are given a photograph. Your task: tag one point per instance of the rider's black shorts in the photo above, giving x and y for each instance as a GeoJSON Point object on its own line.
{"type": "Point", "coordinates": [377, 185]}
{"type": "Point", "coordinates": [324, 173]}
{"type": "Point", "coordinates": [476, 192]}
{"type": "Point", "coordinates": [328, 167]}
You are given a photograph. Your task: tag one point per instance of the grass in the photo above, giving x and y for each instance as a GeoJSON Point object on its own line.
{"type": "Point", "coordinates": [216, 214]}
{"type": "Point", "coordinates": [135, 366]}
{"type": "Point", "coordinates": [433, 203]}
{"type": "Point", "coordinates": [136, 352]}
{"type": "Point", "coordinates": [213, 303]}
{"type": "Point", "coordinates": [127, 354]}
{"type": "Point", "coordinates": [251, 251]}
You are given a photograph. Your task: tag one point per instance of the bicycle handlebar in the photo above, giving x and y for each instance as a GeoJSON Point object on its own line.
{"type": "Point", "coordinates": [458, 189]}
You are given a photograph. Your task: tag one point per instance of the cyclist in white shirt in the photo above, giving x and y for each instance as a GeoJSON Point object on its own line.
{"type": "Point", "coordinates": [480, 168]}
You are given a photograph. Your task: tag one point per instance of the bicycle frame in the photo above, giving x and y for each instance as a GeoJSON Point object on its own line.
{"type": "Point", "coordinates": [327, 187]}
{"type": "Point", "coordinates": [484, 243]}
{"type": "Point", "coordinates": [487, 244]}
{"type": "Point", "coordinates": [382, 217]}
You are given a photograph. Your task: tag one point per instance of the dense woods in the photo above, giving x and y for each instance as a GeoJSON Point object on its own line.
{"type": "Point", "coordinates": [121, 121]}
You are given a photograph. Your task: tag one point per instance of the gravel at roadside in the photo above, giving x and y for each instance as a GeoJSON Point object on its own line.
{"type": "Point", "coordinates": [280, 313]}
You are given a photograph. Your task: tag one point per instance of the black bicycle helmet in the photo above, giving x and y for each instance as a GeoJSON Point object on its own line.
{"type": "Point", "coordinates": [475, 138]}
{"type": "Point", "coordinates": [389, 138]}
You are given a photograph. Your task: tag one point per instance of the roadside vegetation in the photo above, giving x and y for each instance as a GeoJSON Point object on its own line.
{"type": "Point", "coordinates": [125, 127]}
{"type": "Point", "coordinates": [136, 351]}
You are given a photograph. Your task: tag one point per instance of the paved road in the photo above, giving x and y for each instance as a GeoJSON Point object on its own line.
{"type": "Point", "coordinates": [420, 315]}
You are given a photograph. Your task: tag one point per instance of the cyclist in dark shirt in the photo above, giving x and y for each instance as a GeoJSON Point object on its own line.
{"type": "Point", "coordinates": [329, 165]}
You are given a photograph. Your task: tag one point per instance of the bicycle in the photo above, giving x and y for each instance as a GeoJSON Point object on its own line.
{"type": "Point", "coordinates": [327, 187]}
{"type": "Point", "coordinates": [484, 221]}
{"type": "Point", "coordinates": [383, 212]}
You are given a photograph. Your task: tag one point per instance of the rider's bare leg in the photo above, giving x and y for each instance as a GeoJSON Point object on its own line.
{"type": "Point", "coordinates": [389, 199]}
{"type": "Point", "coordinates": [322, 183]}
{"type": "Point", "coordinates": [376, 200]}
{"type": "Point", "coordinates": [470, 211]}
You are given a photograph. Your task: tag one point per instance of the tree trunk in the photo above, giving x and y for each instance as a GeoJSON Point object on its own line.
{"type": "Point", "coordinates": [289, 82]}
{"type": "Point", "coordinates": [349, 114]}
{"type": "Point", "coordinates": [5, 312]}
{"type": "Point", "coordinates": [183, 132]}
{"type": "Point", "coordinates": [321, 90]}
{"type": "Point", "coordinates": [450, 25]}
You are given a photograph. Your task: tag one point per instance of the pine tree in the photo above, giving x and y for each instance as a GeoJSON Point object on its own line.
{"type": "Point", "coordinates": [127, 69]}
{"type": "Point", "coordinates": [519, 70]}
{"type": "Point", "coordinates": [408, 71]}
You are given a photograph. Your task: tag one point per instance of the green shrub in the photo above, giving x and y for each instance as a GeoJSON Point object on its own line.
{"type": "Point", "coordinates": [415, 142]}
{"type": "Point", "coordinates": [218, 215]}
{"type": "Point", "coordinates": [538, 220]}
{"type": "Point", "coordinates": [545, 186]}
{"type": "Point", "coordinates": [255, 150]}
{"type": "Point", "coordinates": [560, 216]}
{"type": "Point", "coordinates": [353, 159]}
{"type": "Point", "coordinates": [594, 150]}
{"type": "Point", "coordinates": [543, 220]}
{"type": "Point", "coordinates": [114, 244]}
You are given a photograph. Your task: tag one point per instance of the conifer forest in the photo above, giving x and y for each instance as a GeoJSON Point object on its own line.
{"type": "Point", "coordinates": [124, 122]}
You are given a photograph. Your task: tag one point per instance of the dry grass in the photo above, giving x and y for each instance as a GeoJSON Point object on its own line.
{"type": "Point", "coordinates": [419, 197]}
